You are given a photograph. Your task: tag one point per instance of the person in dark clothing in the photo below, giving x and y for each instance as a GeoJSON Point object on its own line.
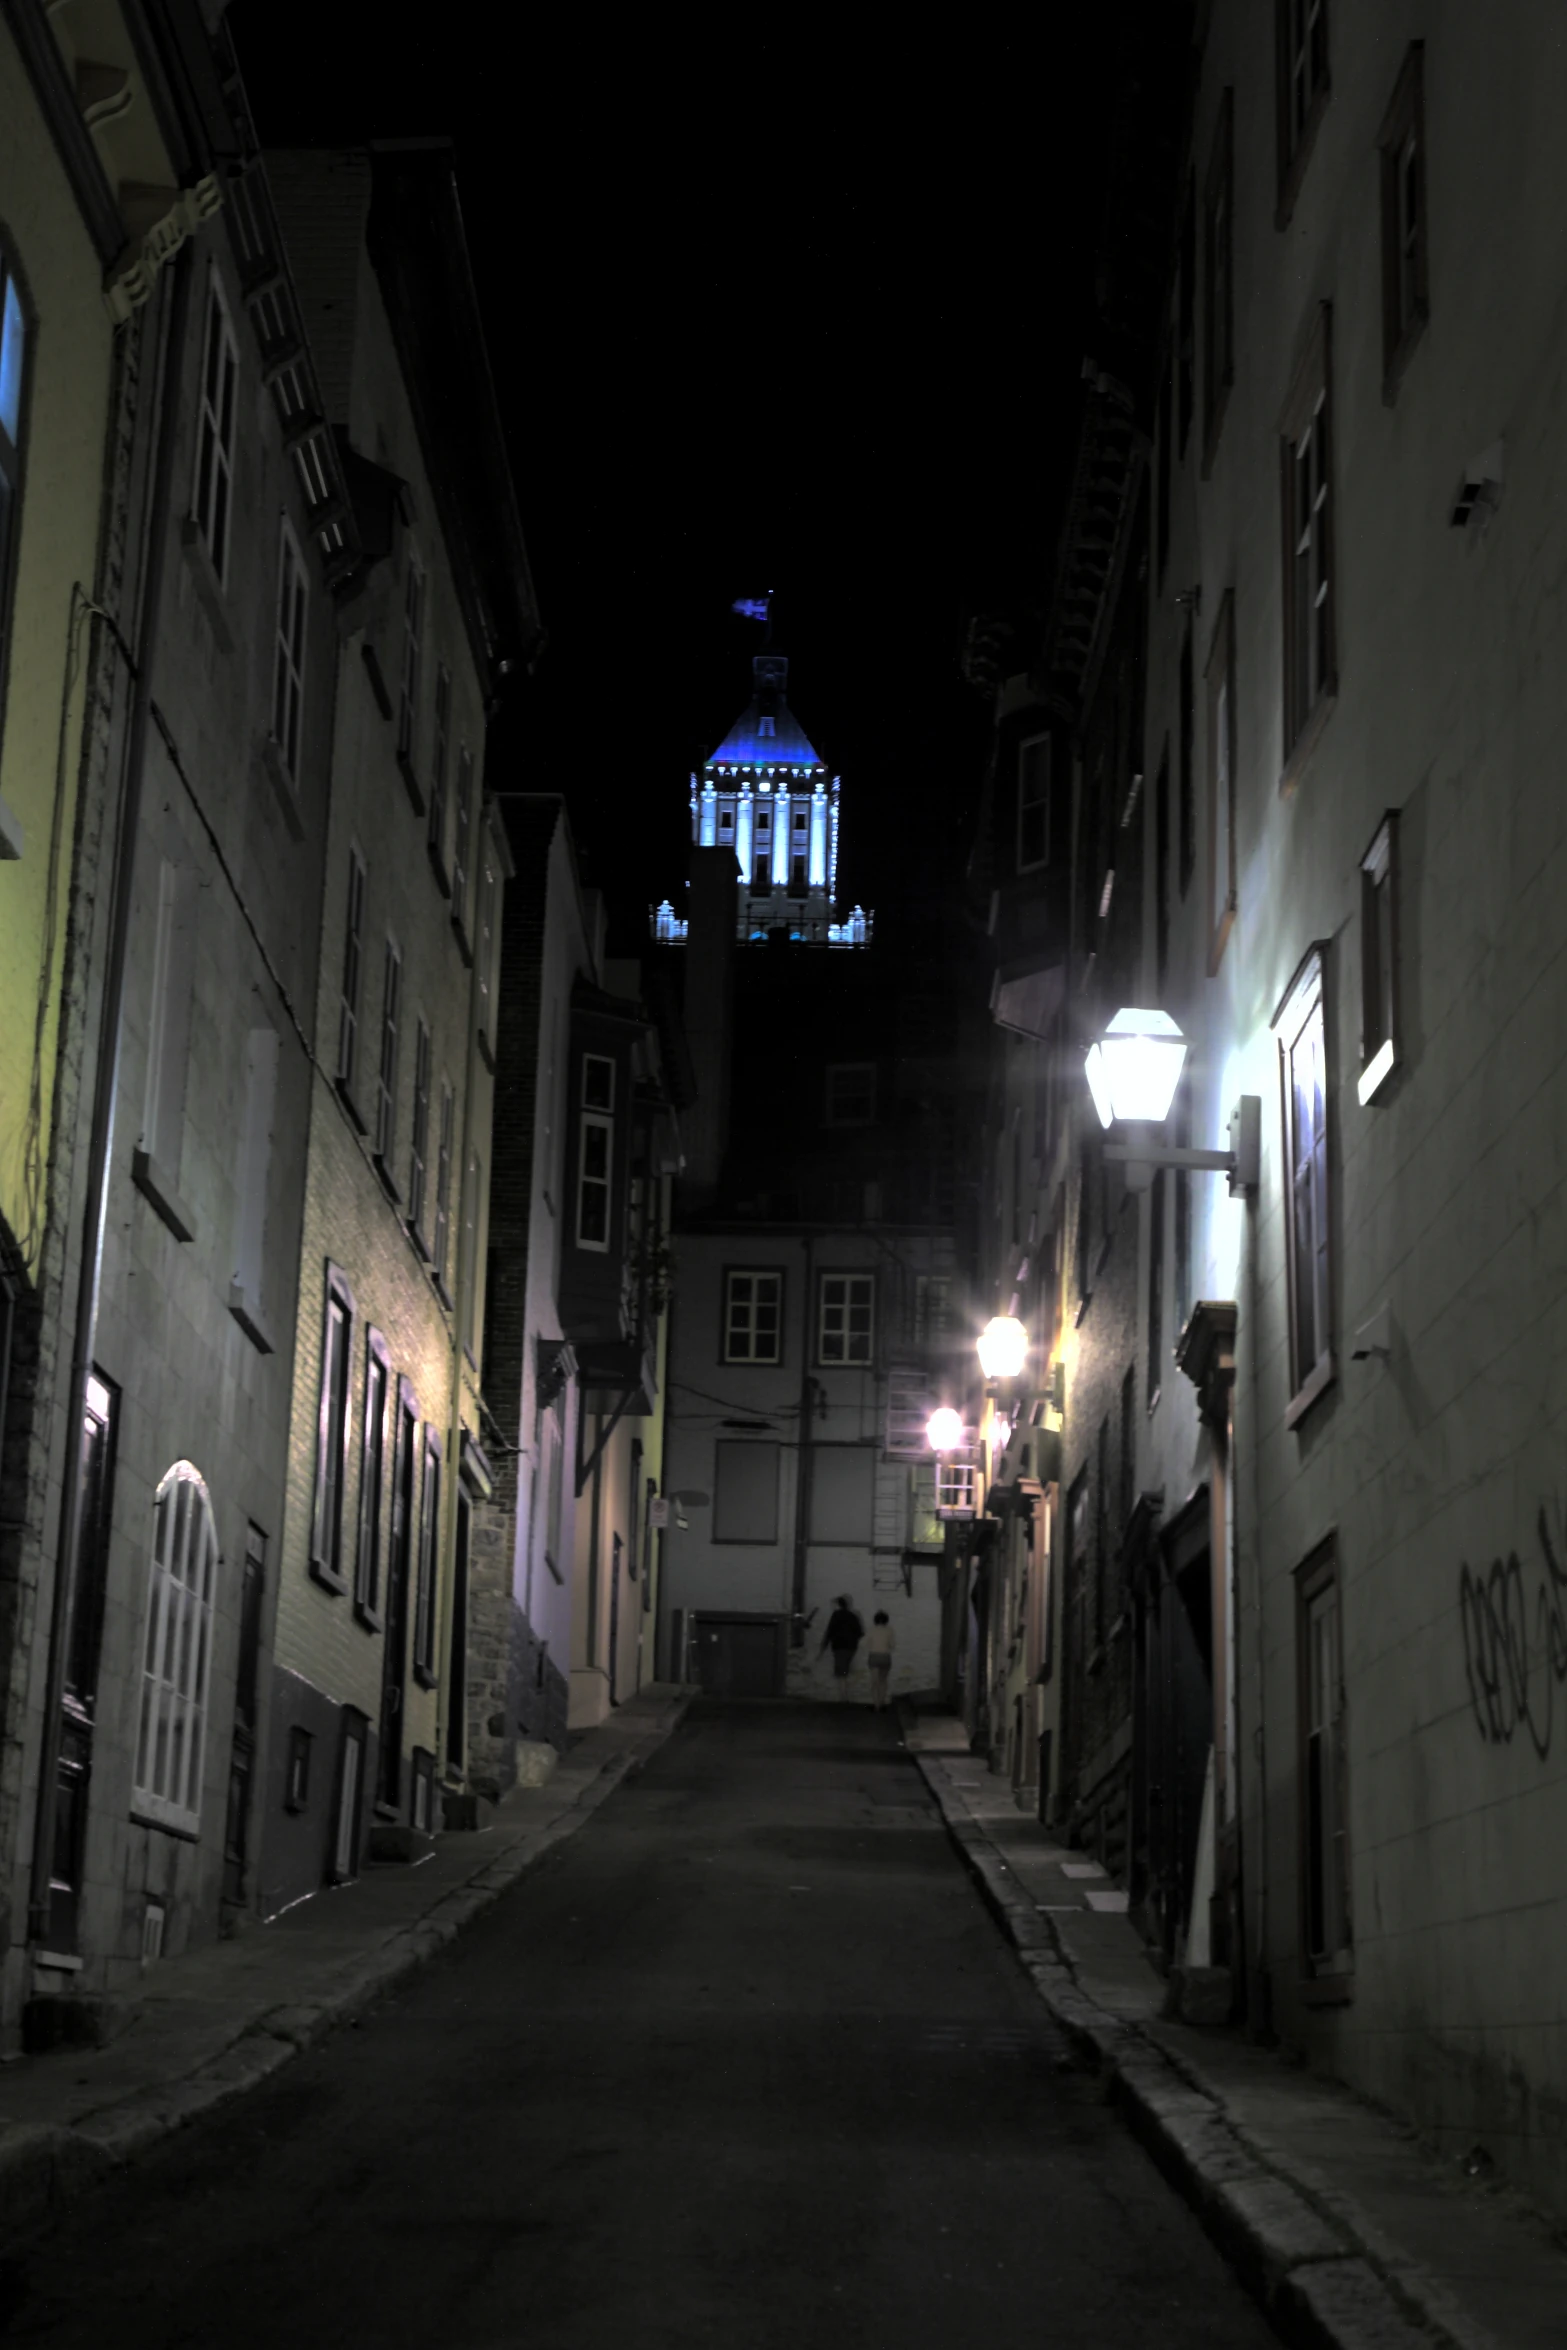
{"type": "Point", "coordinates": [843, 1636]}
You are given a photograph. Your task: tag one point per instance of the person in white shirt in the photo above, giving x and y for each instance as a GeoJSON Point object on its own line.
{"type": "Point", "coordinates": [878, 1655]}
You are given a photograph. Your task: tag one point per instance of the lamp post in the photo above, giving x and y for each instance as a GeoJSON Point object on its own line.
{"type": "Point", "coordinates": [1133, 1071]}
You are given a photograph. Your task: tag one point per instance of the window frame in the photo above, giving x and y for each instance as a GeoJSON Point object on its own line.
{"type": "Point", "coordinates": [428, 1556]}
{"type": "Point", "coordinates": [387, 1058]}
{"type": "Point", "coordinates": [288, 657]}
{"type": "Point", "coordinates": [16, 316]}
{"type": "Point", "coordinates": [440, 1232]}
{"type": "Point", "coordinates": [1297, 127]}
{"type": "Point", "coordinates": [1028, 803]}
{"type": "Point", "coordinates": [372, 1480]}
{"type": "Point", "coordinates": [462, 840]}
{"type": "Point", "coordinates": [1325, 1892]}
{"type": "Point", "coordinates": [1403, 320]}
{"type": "Point", "coordinates": [186, 1638]}
{"type": "Point", "coordinates": [1381, 1028]}
{"type": "Point", "coordinates": [351, 989]}
{"type": "Point", "coordinates": [486, 943]}
{"type": "Point", "coordinates": [332, 1429]}
{"type": "Point", "coordinates": [419, 1132]}
{"type": "Point", "coordinates": [217, 420]}
{"type": "Point", "coordinates": [1218, 304]}
{"type": "Point", "coordinates": [439, 754]}
{"type": "Point", "coordinates": [1310, 660]}
{"type": "Point", "coordinates": [850, 1276]}
{"type": "Point", "coordinates": [595, 1118]}
{"type": "Point", "coordinates": [1219, 684]}
{"type": "Point", "coordinates": [1303, 1010]}
{"type": "Point", "coordinates": [833, 1117]}
{"type": "Point", "coordinates": [726, 1326]}
{"type": "Point", "coordinates": [722, 1446]}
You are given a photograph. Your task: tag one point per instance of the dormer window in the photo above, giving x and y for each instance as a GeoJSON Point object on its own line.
{"type": "Point", "coordinates": [765, 725]}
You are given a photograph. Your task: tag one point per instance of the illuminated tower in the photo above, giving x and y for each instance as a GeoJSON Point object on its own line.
{"type": "Point", "coordinates": [767, 795]}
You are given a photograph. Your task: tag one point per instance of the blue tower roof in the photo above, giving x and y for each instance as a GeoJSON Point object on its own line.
{"type": "Point", "coordinates": [767, 732]}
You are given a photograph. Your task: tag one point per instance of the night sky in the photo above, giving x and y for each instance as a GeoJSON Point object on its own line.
{"type": "Point", "coordinates": [764, 313]}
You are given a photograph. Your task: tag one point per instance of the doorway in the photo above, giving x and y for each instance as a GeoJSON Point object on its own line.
{"type": "Point", "coordinates": [740, 1656]}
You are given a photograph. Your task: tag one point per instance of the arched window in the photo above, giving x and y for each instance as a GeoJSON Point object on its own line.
{"type": "Point", "coordinates": [13, 355]}
{"type": "Point", "coordinates": [176, 1653]}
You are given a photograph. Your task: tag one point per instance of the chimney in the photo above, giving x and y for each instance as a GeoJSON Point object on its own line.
{"type": "Point", "coordinates": [710, 946]}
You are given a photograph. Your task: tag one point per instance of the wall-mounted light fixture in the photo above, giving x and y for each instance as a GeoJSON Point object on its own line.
{"type": "Point", "coordinates": [1133, 1071]}
{"type": "Point", "coordinates": [1003, 1347]}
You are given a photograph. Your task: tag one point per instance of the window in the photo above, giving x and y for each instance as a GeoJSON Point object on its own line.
{"type": "Point", "coordinates": [1161, 880]}
{"type": "Point", "coordinates": [13, 355]}
{"type": "Point", "coordinates": [261, 1064]}
{"type": "Point", "coordinates": [1401, 144]}
{"type": "Point", "coordinates": [843, 1494]}
{"type": "Point", "coordinates": [288, 662]}
{"type": "Point", "coordinates": [215, 434]}
{"type": "Point", "coordinates": [846, 1318]}
{"type": "Point", "coordinates": [1218, 310]}
{"type": "Point", "coordinates": [1033, 803]}
{"type": "Point", "coordinates": [438, 757]}
{"type": "Point", "coordinates": [1221, 783]}
{"type": "Point", "coordinates": [1379, 958]}
{"type": "Point", "coordinates": [550, 1484]}
{"type": "Point", "coordinates": [168, 1044]}
{"type": "Point", "coordinates": [1302, 72]}
{"type": "Point", "coordinates": [851, 1093]}
{"type": "Point", "coordinates": [419, 1139]}
{"type": "Point", "coordinates": [1156, 1287]}
{"type": "Point", "coordinates": [372, 1466]}
{"type": "Point", "coordinates": [386, 1069]}
{"type": "Point", "coordinates": [408, 683]}
{"type": "Point", "coordinates": [176, 1654]}
{"type": "Point", "coordinates": [595, 1150]}
{"type": "Point", "coordinates": [486, 941]}
{"type": "Point", "coordinates": [443, 1183]}
{"type": "Point", "coordinates": [753, 1318]}
{"type": "Point", "coordinates": [428, 1561]}
{"type": "Point", "coordinates": [296, 1785]}
{"type": "Point", "coordinates": [1300, 1028]}
{"type": "Point", "coordinates": [932, 1305]}
{"type": "Point", "coordinates": [1324, 1857]}
{"type": "Point", "coordinates": [326, 1532]}
{"type": "Point", "coordinates": [745, 1491]}
{"type": "Point", "coordinates": [1186, 776]}
{"type": "Point", "coordinates": [1306, 460]}
{"type": "Point", "coordinates": [464, 813]}
{"type": "Point", "coordinates": [468, 1271]}
{"type": "Point", "coordinates": [350, 1787]}
{"type": "Point", "coordinates": [353, 972]}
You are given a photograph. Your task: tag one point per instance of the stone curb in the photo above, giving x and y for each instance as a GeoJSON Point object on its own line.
{"type": "Point", "coordinates": [43, 2168]}
{"type": "Point", "coordinates": [1313, 2270]}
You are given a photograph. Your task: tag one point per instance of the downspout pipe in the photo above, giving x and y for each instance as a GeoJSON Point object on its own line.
{"type": "Point", "coordinates": [106, 1078]}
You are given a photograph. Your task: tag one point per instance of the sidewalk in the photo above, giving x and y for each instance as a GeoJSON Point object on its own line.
{"type": "Point", "coordinates": [208, 2026]}
{"type": "Point", "coordinates": [1346, 2230]}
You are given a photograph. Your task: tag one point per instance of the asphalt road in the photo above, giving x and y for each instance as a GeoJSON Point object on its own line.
{"type": "Point", "coordinates": [743, 2062]}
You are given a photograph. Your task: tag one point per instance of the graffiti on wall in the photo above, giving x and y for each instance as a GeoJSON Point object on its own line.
{"type": "Point", "coordinates": [1515, 1644]}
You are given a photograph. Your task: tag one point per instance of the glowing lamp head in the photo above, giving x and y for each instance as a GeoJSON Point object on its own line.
{"type": "Point", "coordinates": [944, 1430]}
{"type": "Point", "coordinates": [1135, 1067]}
{"type": "Point", "coordinates": [1003, 1347]}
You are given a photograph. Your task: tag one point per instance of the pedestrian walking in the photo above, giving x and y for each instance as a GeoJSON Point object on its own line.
{"type": "Point", "coordinates": [843, 1636]}
{"type": "Point", "coordinates": [878, 1655]}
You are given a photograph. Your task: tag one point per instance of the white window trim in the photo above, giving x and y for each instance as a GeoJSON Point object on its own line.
{"type": "Point", "coordinates": [386, 1062]}
{"type": "Point", "coordinates": [326, 1517]}
{"type": "Point", "coordinates": [1305, 1002]}
{"type": "Point", "coordinates": [213, 510]}
{"type": "Point", "coordinates": [753, 1274]}
{"type": "Point", "coordinates": [441, 1233]}
{"type": "Point", "coordinates": [176, 1653]}
{"type": "Point", "coordinates": [844, 1360]}
{"type": "Point", "coordinates": [352, 988]}
{"type": "Point", "coordinates": [427, 1558]}
{"type": "Point", "coordinates": [419, 1129]}
{"type": "Point", "coordinates": [599, 1118]}
{"type": "Point", "coordinates": [371, 1531]}
{"type": "Point", "coordinates": [288, 671]}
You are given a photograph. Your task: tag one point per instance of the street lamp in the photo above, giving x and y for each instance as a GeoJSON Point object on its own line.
{"type": "Point", "coordinates": [1133, 1071]}
{"type": "Point", "coordinates": [944, 1430]}
{"type": "Point", "coordinates": [1003, 1347]}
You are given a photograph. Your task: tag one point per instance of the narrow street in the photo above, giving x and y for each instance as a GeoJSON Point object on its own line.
{"type": "Point", "coordinates": [746, 2061]}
